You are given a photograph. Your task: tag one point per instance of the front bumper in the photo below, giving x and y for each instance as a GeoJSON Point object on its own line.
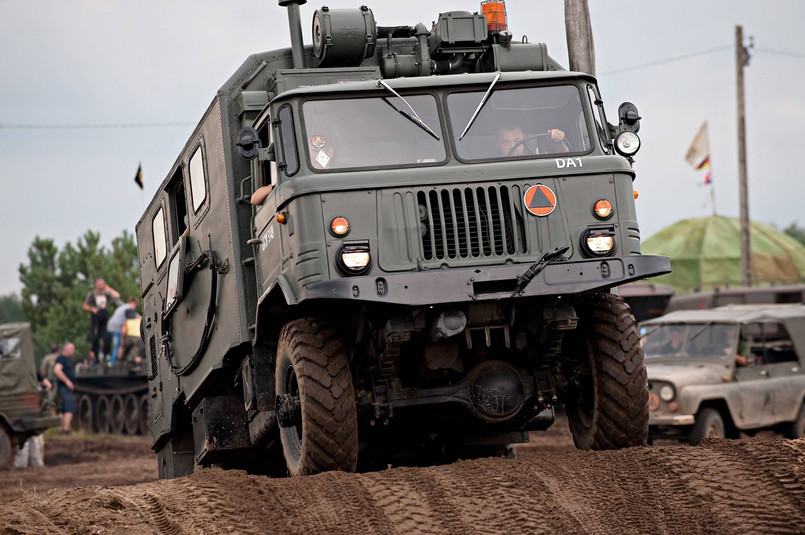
{"type": "Point", "coordinates": [490, 282]}
{"type": "Point", "coordinates": [670, 419]}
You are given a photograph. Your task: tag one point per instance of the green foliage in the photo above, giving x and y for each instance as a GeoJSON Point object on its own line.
{"type": "Point", "coordinates": [55, 284]}
{"type": "Point", "coordinates": [11, 309]}
{"type": "Point", "coordinates": [796, 232]}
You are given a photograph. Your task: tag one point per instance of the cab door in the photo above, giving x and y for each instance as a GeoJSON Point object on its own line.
{"type": "Point", "coordinates": [755, 389]}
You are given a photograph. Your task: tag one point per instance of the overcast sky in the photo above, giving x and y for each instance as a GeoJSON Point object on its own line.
{"type": "Point", "coordinates": [80, 78]}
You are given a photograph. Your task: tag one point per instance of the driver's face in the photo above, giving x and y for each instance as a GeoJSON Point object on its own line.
{"type": "Point", "coordinates": [509, 138]}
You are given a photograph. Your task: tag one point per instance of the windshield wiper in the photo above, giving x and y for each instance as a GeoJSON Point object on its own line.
{"type": "Point", "coordinates": [413, 118]}
{"type": "Point", "coordinates": [480, 105]}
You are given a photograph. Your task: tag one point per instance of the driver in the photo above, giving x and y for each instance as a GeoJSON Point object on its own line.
{"type": "Point", "coordinates": [509, 136]}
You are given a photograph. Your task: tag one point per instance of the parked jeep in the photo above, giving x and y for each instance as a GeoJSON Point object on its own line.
{"type": "Point", "coordinates": [23, 412]}
{"type": "Point", "coordinates": [718, 372]}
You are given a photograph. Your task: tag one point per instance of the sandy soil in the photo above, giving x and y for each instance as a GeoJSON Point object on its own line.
{"type": "Point", "coordinates": [108, 485]}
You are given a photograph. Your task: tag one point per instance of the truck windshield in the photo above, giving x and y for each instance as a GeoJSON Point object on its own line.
{"type": "Point", "coordinates": [529, 122]}
{"type": "Point", "coordinates": [372, 132]}
{"type": "Point", "coordinates": [689, 339]}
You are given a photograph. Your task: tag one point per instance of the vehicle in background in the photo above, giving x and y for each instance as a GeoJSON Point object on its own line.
{"type": "Point", "coordinates": [23, 408]}
{"type": "Point", "coordinates": [715, 373]}
{"type": "Point", "coordinates": [646, 299]}
{"type": "Point", "coordinates": [739, 295]}
{"type": "Point", "coordinates": [112, 399]}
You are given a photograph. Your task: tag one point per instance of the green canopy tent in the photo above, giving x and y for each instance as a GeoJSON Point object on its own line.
{"type": "Point", "coordinates": [706, 254]}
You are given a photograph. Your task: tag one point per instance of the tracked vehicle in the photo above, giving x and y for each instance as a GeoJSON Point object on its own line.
{"type": "Point", "coordinates": [429, 276]}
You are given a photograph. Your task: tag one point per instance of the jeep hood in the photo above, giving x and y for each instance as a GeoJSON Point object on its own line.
{"type": "Point", "coordinates": [690, 373]}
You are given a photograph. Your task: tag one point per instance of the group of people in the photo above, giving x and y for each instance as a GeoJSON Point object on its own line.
{"type": "Point", "coordinates": [114, 335]}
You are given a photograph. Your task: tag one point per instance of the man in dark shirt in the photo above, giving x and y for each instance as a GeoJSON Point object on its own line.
{"type": "Point", "coordinates": [65, 384]}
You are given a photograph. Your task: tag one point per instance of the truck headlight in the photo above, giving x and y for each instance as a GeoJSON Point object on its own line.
{"type": "Point", "coordinates": [667, 393]}
{"type": "Point", "coordinates": [354, 258]}
{"type": "Point", "coordinates": [627, 143]}
{"type": "Point", "coordinates": [598, 242]}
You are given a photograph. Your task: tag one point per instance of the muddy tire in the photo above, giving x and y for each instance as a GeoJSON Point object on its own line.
{"type": "Point", "coordinates": [320, 432]}
{"type": "Point", "coordinates": [607, 404]}
{"type": "Point", "coordinates": [709, 424]}
{"type": "Point", "coordinates": [6, 448]}
{"type": "Point", "coordinates": [796, 429]}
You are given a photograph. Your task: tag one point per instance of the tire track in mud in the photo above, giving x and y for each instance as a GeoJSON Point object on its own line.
{"type": "Point", "coordinates": [719, 487]}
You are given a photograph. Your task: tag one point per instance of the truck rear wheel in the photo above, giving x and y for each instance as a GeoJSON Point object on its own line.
{"type": "Point", "coordinates": [6, 450]}
{"type": "Point", "coordinates": [316, 400]}
{"type": "Point", "coordinates": [607, 407]}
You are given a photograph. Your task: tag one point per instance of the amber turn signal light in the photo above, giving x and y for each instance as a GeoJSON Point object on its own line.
{"type": "Point", "coordinates": [339, 226]}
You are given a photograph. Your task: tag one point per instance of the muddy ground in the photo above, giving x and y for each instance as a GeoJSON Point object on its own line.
{"type": "Point", "coordinates": [106, 484]}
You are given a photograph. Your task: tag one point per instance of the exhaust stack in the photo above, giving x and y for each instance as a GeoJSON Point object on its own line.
{"type": "Point", "coordinates": [295, 25]}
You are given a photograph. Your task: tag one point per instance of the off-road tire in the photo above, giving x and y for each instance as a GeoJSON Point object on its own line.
{"type": "Point", "coordinates": [608, 408]}
{"type": "Point", "coordinates": [6, 448]}
{"type": "Point", "coordinates": [796, 429]}
{"type": "Point", "coordinates": [709, 424]}
{"type": "Point", "coordinates": [312, 364]}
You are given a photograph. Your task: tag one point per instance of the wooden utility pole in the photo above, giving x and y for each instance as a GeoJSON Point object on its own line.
{"type": "Point", "coordinates": [579, 34]}
{"type": "Point", "coordinates": [742, 59]}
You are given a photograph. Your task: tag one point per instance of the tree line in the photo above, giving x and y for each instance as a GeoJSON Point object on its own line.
{"type": "Point", "coordinates": [56, 282]}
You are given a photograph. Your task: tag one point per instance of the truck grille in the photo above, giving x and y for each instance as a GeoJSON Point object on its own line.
{"type": "Point", "coordinates": [470, 222]}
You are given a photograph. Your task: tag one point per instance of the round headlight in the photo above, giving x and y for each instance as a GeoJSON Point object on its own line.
{"type": "Point", "coordinates": [339, 226]}
{"type": "Point", "coordinates": [598, 242]}
{"type": "Point", "coordinates": [627, 143]}
{"type": "Point", "coordinates": [353, 258]}
{"type": "Point", "coordinates": [667, 393]}
{"type": "Point", "coordinates": [602, 209]}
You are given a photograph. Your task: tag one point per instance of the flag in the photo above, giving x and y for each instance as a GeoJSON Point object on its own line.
{"type": "Point", "coordinates": [699, 152]}
{"type": "Point", "coordinates": [138, 178]}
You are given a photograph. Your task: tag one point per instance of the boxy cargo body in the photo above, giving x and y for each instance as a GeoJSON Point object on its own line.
{"type": "Point", "coordinates": [413, 289]}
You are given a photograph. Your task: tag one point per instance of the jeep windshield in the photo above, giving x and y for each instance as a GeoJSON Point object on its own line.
{"type": "Point", "coordinates": [350, 133]}
{"type": "Point", "coordinates": [689, 339]}
{"type": "Point", "coordinates": [527, 122]}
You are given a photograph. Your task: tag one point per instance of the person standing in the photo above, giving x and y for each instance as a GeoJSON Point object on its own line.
{"type": "Point", "coordinates": [96, 304]}
{"type": "Point", "coordinates": [127, 310]}
{"type": "Point", "coordinates": [48, 377]}
{"type": "Point", "coordinates": [65, 385]}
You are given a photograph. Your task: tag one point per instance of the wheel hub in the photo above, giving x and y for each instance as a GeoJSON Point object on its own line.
{"type": "Point", "coordinates": [289, 411]}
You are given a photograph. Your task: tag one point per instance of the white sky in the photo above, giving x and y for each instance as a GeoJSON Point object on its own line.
{"type": "Point", "coordinates": [85, 62]}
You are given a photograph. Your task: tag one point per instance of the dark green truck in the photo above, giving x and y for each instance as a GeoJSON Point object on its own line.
{"type": "Point", "coordinates": [23, 412]}
{"type": "Point", "coordinates": [428, 279]}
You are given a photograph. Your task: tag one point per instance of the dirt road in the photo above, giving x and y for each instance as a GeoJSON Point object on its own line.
{"type": "Point", "coordinates": [722, 486]}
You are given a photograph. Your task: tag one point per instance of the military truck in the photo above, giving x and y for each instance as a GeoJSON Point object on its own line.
{"type": "Point", "coordinates": [720, 372]}
{"type": "Point", "coordinates": [23, 410]}
{"type": "Point", "coordinates": [430, 274]}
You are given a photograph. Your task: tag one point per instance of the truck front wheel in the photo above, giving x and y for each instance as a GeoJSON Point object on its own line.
{"type": "Point", "coordinates": [607, 403]}
{"type": "Point", "coordinates": [315, 400]}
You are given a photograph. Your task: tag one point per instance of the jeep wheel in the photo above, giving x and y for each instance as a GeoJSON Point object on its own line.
{"type": "Point", "coordinates": [607, 402]}
{"type": "Point", "coordinates": [796, 429]}
{"type": "Point", "coordinates": [709, 424]}
{"type": "Point", "coordinates": [315, 400]}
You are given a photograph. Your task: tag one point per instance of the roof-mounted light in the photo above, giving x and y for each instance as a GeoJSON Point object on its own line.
{"type": "Point", "coordinates": [495, 13]}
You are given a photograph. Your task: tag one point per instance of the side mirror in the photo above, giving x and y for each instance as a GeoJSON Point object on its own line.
{"type": "Point", "coordinates": [248, 142]}
{"type": "Point", "coordinates": [628, 118]}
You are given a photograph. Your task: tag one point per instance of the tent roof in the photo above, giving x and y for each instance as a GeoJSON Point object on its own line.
{"type": "Point", "coordinates": [706, 253]}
